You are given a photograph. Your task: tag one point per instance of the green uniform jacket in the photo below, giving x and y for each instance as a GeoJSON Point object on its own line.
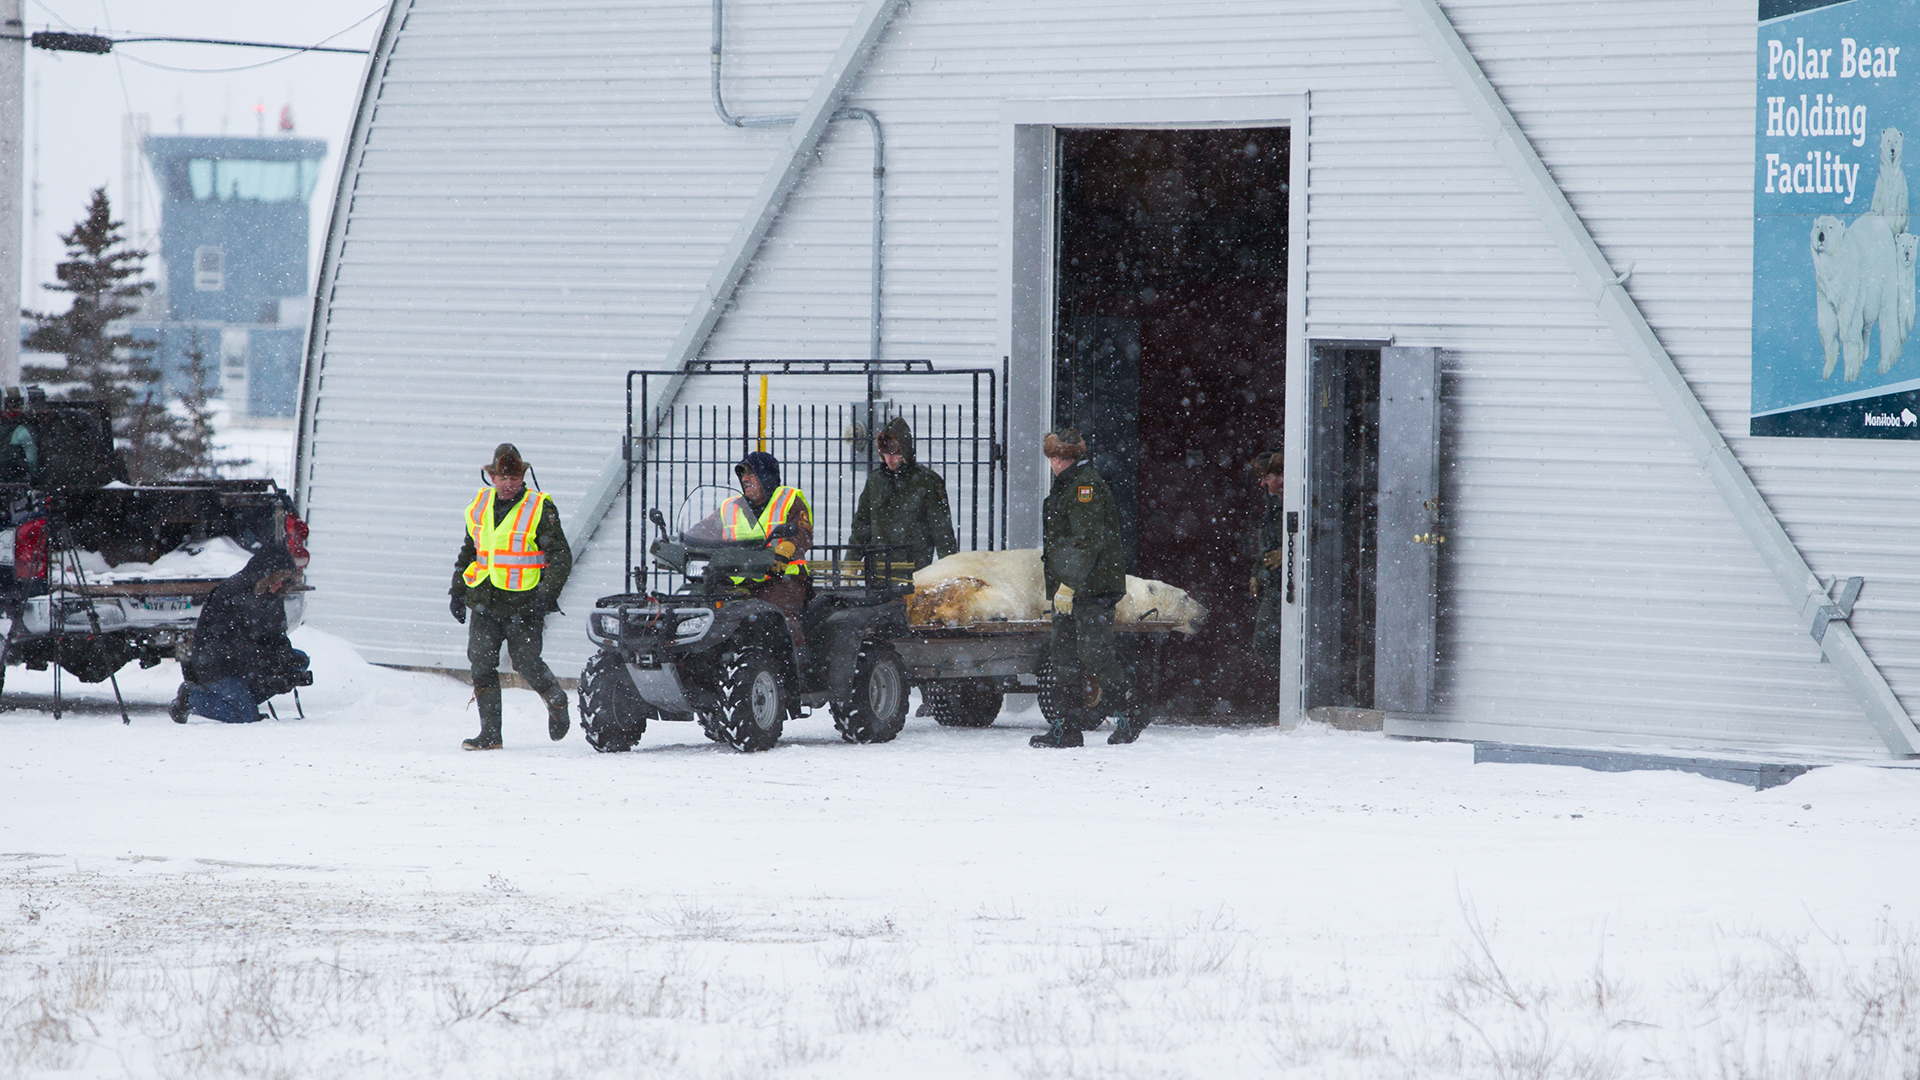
{"type": "Point", "coordinates": [1081, 527]}
{"type": "Point", "coordinates": [544, 597]}
{"type": "Point", "coordinates": [908, 507]}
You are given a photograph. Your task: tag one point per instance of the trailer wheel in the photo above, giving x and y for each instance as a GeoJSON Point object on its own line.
{"type": "Point", "coordinates": [612, 716]}
{"type": "Point", "coordinates": [969, 703]}
{"type": "Point", "coordinates": [753, 704]}
{"type": "Point", "coordinates": [1057, 701]}
{"type": "Point", "coordinates": [877, 709]}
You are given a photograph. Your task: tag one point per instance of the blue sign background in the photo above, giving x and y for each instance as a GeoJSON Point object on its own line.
{"type": "Point", "coordinates": [1790, 396]}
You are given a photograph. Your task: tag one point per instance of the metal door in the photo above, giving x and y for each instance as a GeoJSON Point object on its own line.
{"type": "Point", "coordinates": [1406, 589]}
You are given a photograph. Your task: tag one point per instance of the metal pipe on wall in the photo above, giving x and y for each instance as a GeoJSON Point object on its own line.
{"type": "Point", "coordinates": [13, 68]}
{"type": "Point", "coordinates": [879, 172]}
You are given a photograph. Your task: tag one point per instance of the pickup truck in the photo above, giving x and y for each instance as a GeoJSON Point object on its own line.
{"type": "Point", "coordinates": [96, 572]}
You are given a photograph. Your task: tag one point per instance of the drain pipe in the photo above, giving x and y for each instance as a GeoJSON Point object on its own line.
{"type": "Point", "coordinates": [879, 177]}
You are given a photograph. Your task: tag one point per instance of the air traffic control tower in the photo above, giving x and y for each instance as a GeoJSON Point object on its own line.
{"type": "Point", "coordinates": [233, 242]}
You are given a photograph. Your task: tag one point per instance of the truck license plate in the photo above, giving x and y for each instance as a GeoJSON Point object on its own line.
{"type": "Point", "coordinates": [167, 603]}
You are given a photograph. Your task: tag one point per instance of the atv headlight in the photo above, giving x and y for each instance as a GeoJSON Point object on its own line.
{"type": "Point", "coordinates": [607, 623]}
{"type": "Point", "coordinates": [694, 624]}
{"type": "Point", "coordinates": [696, 568]}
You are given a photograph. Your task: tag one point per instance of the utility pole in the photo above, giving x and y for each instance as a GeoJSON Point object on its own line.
{"type": "Point", "coordinates": [13, 122]}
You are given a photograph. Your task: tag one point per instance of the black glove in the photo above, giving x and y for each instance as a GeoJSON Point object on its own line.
{"type": "Point", "coordinates": [544, 601]}
{"type": "Point", "coordinates": [458, 606]}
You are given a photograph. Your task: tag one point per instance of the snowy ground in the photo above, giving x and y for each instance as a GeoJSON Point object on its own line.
{"type": "Point", "coordinates": [351, 895]}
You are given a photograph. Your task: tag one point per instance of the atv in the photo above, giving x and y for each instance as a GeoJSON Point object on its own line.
{"type": "Point", "coordinates": [710, 652]}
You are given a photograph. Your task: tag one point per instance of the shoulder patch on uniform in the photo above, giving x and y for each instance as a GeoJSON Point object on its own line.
{"type": "Point", "coordinates": [1086, 493]}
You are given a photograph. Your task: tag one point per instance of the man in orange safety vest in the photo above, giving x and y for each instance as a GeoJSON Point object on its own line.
{"type": "Point", "coordinates": [506, 580]}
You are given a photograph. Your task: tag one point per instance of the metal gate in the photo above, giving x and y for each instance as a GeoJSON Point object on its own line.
{"type": "Point", "coordinates": [818, 417]}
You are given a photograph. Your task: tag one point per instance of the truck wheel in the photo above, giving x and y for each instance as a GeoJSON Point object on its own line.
{"type": "Point", "coordinates": [753, 704]}
{"type": "Point", "coordinates": [878, 708]}
{"type": "Point", "coordinates": [1057, 701]}
{"type": "Point", "coordinates": [973, 703]}
{"type": "Point", "coordinates": [612, 716]}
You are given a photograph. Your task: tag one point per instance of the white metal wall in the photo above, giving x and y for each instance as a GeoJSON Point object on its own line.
{"type": "Point", "coordinates": [544, 191]}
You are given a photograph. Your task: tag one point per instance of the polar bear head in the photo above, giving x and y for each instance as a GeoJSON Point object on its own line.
{"type": "Point", "coordinates": [1827, 231]}
{"type": "Point", "coordinates": [1909, 245]}
{"type": "Point", "coordinates": [1890, 141]}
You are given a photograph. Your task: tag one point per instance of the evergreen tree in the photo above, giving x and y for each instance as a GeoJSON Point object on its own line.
{"type": "Point", "coordinates": [193, 449]}
{"type": "Point", "coordinates": [104, 275]}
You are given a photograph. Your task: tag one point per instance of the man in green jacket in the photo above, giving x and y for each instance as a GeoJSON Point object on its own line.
{"type": "Point", "coordinates": [904, 503]}
{"type": "Point", "coordinates": [506, 580]}
{"type": "Point", "coordinates": [1083, 551]}
{"type": "Point", "coordinates": [1270, 558]}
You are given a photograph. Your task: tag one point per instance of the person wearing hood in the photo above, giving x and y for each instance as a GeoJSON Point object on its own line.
{"type": "Point", "coordinates": [904, 504]}
{"type": "Point", "coordinates": [764, 504]}
{"type": "Point", "coordinates": [506, 581]}
{"type": "Point", "coordinates": [241, 654]}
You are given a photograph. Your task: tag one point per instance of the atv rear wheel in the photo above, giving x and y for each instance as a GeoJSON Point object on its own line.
{"type": "Point", "coordinates": [969, 703]}
{"type": "Point", "coordinates": [612, 715]}
{"type": "Point", "coordinates": [1069, 702]}
{"type": "Point", "coordinates": [753, 703]}
{"type": "Point", "coordinates": [877, 708]}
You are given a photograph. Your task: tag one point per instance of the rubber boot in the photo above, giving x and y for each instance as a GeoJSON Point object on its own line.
{"type": "Point", "coordinates": [488, 699]}
{"type": "Point", "coordinates": [1128, 726]}
{"type": "Point", "coordinates": [182, 706]}
{"type": "Point", "coordinates": [1060, 736]}
{"type": "Point", "coordinates": [557, 722]}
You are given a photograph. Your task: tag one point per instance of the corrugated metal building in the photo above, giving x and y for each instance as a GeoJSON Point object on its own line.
{"type": "Point", "coordinates": [539, 196]}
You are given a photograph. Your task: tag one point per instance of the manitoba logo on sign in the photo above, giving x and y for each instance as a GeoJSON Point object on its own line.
{"type": "Point", "coordinates": [1905, 418]}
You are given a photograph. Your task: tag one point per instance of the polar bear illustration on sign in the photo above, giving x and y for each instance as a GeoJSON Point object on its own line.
{"type": "Point", "coordinates": [1890, 186]}
{"type": "Point", "coordinates": [1863, 272]}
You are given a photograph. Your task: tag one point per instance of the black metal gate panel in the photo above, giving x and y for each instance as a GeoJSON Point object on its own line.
{"type": "Point", "coordinates": [819, 418]}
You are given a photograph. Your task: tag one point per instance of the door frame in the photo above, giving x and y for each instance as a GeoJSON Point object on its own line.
{"type": "Point", "coordinates": [1026, 298]}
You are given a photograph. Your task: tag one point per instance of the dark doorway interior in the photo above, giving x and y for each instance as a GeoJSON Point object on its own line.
{"type": "Point", "coordinates": [1170, 354]}
{"type": "Point", "coordinates": [1342, 526]}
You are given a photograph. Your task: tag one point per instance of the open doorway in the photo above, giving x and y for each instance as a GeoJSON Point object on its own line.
{"type": "Point", "coordinates": [1170, 274]}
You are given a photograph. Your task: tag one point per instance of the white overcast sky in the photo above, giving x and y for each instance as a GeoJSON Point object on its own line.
{"type": "Point", "coordinates": [76, 103]}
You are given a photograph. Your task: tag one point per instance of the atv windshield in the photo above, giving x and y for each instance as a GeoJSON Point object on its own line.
{"type": "Point", "coordinates": [698, 521]}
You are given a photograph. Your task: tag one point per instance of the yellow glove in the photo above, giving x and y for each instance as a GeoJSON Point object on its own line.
{"type": "Point", "coordinates": [1275, 558]}
{"type": "Point", "coordinates": [1253, 585]}
{"type": "Point", "coordinates": [784, 549]}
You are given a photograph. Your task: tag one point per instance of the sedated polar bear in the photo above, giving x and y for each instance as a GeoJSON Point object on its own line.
{"type": "Point", "coordinates": [1857, 278]}
{"type": "Point", "coordinates": [1890, 186]}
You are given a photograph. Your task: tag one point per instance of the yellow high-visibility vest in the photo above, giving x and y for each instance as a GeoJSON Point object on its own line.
{"type": "Point", "coordinates": [507, 551]}
{"type": "Point", "coordinates": [737, 520]}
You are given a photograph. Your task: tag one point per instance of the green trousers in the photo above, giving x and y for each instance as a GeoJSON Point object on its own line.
{"type": "Point", "coordinates": [523, 636]}
{"type": "Point", "coordinates": [1083, 645]}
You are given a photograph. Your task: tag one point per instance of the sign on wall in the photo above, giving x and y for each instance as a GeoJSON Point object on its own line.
{"type": "Point", "coordinates": [1837, 97]}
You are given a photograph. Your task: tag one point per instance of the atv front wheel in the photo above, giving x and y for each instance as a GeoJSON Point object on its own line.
{"type": "Point", "coordinates": [612, 716]}
{"type": "Point", "coordinates": [970, 703]}
{"type": "Point", "coordinates": [753, 704]}
{"type": "Point", "coordinates": [877, 709]}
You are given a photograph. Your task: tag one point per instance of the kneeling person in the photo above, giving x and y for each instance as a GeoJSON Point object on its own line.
{"type": "Point", "coordinates": [241, 654]}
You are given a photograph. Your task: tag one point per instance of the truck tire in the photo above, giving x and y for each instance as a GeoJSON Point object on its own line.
{"type": "Point", "coordinates": [968, 703]}
{"type": "Point", "coordinates": [877, 708]}
{"type": "Point", "coordinates": [753, 703]}
{"type": "Point", "coordinates": [612, 716]}
{"type": "Point", "coordinates": [1058, 701]}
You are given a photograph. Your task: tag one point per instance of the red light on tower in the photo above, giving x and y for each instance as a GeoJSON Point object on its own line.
{"type": "Point", "coordinates": [286, 119]}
